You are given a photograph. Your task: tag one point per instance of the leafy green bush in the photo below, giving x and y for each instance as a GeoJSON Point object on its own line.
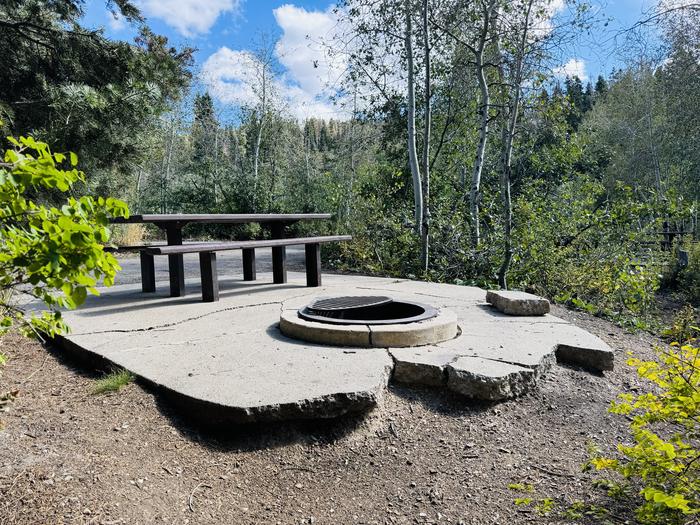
{"type": "Point", "coordinates": [689, 277]}
{"type": "Point", "coordinates": [53, 254]}
{"type": "Point", "coordinates": [580, 244]}
{"type": "Point", "coordinates": [661, 464]}
{"type": "Point", "coordinates": [655, 475]}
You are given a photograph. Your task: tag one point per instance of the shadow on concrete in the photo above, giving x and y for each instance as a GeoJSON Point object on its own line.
{"type": "Point", "coordinates": [138, 300]}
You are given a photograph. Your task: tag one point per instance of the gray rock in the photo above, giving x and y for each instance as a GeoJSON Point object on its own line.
{"type": "Point", "coordinates": [487, 379]}
{"type": "Point", "coordinates": [576, 346]}
{"type": "Point", "coordinates": [421, 366]}
{"type": "Point", "coordinates": [514, 302]}
{"type": "Point", "coordinates": [593, 358]}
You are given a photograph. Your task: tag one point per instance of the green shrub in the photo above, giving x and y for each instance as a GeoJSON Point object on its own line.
{"type": "Point", "coordinates": [580, 244]}
{"type": "Point", "coordinates": [654, 476]}
{"type": "Point", "coordinates": [660, 468]}
{"type": "Point", "coordinates": [689, 277]}
{"type": "Point", "coordinates": [53, 254]}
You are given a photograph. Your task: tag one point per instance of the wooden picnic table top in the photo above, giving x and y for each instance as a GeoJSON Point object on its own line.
{"type": "Point", "coordinates": [221, 218]}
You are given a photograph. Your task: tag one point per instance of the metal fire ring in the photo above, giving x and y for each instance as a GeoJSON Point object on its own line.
{"type": "Point", "coordinates": [348, 302]}
{"type": "Point", "coordinates": [330, 310]}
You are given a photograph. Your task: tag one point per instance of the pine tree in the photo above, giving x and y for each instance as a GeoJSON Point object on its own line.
{"type": "Point", "coordinates": [601, 86]}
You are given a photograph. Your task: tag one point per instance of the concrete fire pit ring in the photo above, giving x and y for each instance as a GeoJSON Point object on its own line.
{"type": "Point", "coordinates": [442, 327]}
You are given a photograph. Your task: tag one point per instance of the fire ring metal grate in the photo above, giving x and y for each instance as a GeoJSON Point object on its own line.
{"type": "Point", "coordinates": [366, 310]}
{"type": "Point", "coordinates": [369, 321]}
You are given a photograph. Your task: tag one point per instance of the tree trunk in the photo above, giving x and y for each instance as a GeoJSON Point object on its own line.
{"type": "Point", "coordinates": [258, 138]}
{"type": "Point", "coordinates": [166, 176]}
{"type": "Point", "coordinates": [353, 168]}
{"type": "Point", "coordinates": [425, 224]}
{"type": "Point", "coordinates": [475, 190]}
{"type": "Point", "coordinates": [509, 130]}
{"type": "Point", "coordinates": [507, 206]}
{"type": "Point", "coordinates": [411, 101]}
{"type": "Point", "coordinates": [138, 190]}
{"type": "Point", "coordinates": [256, 157]}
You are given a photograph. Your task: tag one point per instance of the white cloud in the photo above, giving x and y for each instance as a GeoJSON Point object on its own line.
{"type": "Point", "coordinates": [554, 6]}
{"type": "Point", "coordinates": [543, 23]}
{"type": "Point", "coordinates": [232, 77]}
{"type": "Point", "coordinates": [189, 17]}
{"type": "Point", "coordinates": [229, 76]}
{"type": "Point", "coordinates": [574, 67]}
{"type": "Point", "coordinates": [116, 21]}
{"type": "Point", "coordinates": [302, 105]}
{"type": "Point", "coordinates": [304, 50]}
{"type": "Point", "coordinates": [311, 70]}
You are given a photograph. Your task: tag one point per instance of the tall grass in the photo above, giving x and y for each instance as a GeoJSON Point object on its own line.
{"type": "Point", "coordinates": [128, 234]}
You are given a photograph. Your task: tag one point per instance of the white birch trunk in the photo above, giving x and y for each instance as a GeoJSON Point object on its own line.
{"type": "Point", "coordinates": [475, 189]}
{"type": "Point", "coordinates": [425, 223]}
{"type": "Point", "coordinates": [411, 101]}
{"type": "Point", "coordinates": [509, 130]}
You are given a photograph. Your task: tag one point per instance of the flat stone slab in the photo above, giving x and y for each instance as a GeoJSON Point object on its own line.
{"type": "Point", "coordinates": [228, 362]}
{"type": "Point", "coordinates": [514, 302]}
{"type": "Point", "coordinates": [487, 379]}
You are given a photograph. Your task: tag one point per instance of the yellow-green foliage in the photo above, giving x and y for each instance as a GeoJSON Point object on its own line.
{"type": "Point", "coordinates": [51, 253]}
{"type": "Point", "coordinates": [662, 463]}
{"type": "Point", "coordinates": [112, 382]}
{"type": "Point", "coordinates": [654, 478]}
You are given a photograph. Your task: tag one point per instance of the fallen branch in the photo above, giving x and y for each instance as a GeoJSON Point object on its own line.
{"type": "Point", "coordinates": [37, 370]}
{"type": "Point", "coordinates": [189, 501]}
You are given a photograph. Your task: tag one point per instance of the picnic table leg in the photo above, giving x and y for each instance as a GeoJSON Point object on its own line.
{"type": "Point", "coordinates": [249, 273]}
{"type": "Point", "coordinates": [176, 263]}
{"type": "Point", "coordinates": [148, 273]}
{"type": "Point", "coordinates": [209, 276]}
{"type": "Point", "coordinates": [279, 256]}
{"type": "Point", "coordinates": [313, 264]}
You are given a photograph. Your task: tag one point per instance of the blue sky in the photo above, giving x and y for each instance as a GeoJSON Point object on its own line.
{"type": "Point", "coordinates": [225, 31]}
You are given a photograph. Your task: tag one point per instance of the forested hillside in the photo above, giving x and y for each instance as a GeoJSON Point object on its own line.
{"type": "Point", "coordinates": [462, 156]}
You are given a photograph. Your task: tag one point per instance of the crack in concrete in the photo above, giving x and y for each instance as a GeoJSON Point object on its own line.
{"type": "Point", "coordinates": [514, 363]}
{"type": "Point", "coordinates": [465, 302]}
{"type": "Point", "coordinates": [176, 323]}
{"type": "Point", "coordinates": [293, 298]}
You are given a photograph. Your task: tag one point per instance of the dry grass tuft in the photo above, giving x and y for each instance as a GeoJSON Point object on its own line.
{"type": "Point", "coordinates": [128, 234]}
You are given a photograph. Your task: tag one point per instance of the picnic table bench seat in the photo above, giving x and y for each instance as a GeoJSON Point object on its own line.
{"type": "Point", "coordinates": [207, 260]}
{"type": "Point", "coordinates": [130, 248]}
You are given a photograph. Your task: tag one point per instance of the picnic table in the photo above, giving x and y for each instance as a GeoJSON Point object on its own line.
{"type": "Point", "coordinates": [173, 224]}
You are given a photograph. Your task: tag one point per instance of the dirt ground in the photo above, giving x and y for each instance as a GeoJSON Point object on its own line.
{"type": "Point", "coordinates": [67, 456]}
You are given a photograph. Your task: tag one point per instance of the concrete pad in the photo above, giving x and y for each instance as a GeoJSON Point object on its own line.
{"type": "Point", "coordinates": [228, 362]}
{"type": "Point", "coordinates": [514, 302]}
{"type": "Point", "coordinates": [430, 292]}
